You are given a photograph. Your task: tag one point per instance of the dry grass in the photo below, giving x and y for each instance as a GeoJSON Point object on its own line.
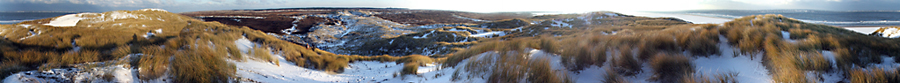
{"type": "Point", "coordinates": [670, 68]}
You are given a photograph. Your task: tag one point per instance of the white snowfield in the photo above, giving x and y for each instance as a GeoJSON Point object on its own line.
{"type": "Point", "coordinates": [66, 20]}
{"type": "Point", "coordinates": [71, 20]}
{"type": "Point", "coordinates": [890, 33]}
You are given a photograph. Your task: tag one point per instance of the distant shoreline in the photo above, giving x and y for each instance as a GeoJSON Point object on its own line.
{"type": "Point", "coordinates": [686, 17]}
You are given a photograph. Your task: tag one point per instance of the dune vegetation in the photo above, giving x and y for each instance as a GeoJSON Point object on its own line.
{"type": "Point", "coordinates": [166, 45]}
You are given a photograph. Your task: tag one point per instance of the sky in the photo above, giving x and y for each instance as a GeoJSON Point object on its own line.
{"type": "Point", "coordinates": [461, 5]}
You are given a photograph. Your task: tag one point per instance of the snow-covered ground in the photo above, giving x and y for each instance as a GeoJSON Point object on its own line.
{"type": "Point", "coordinates": [356, 72]}
{"type": "Point", "coordinates": [488, 34]}
{"type": "Point", "coordinates": [113, 73]}
{"type": "Point", "coordinates": [66, 20]}
{"type": "Point", "coordinates": [890, 33]}
{"type": "Point", "coordinates": [748, 67]}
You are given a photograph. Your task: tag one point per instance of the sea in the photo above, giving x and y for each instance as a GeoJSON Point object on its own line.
{"type": "Point", "coordinates": [16, 17]}
{"type": "Point", "coordinates": [835, 18]}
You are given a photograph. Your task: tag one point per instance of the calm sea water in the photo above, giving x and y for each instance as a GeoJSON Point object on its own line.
{"type": "Point", "coordinates": [16, 17]}
{"type": "Point", "coordinates": [836, 18]}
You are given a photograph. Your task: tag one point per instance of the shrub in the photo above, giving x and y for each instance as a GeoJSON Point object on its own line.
{"type": "Point", "coordinates": [670, 68]}
{"type": "Point", "coordinates": [718, 78]}
{"type": "Point", "coordinates": [153, 67]}
{"type": "Point", "coordinates": [410, 68]}
{"type": "Point", "coordinates": [612, 76]}
{"type": "Point", "coordinates": [874, 75]}
{"type": "Point", "coordinates": [540, 72]}
{"type": "Point", "coordinates": [656, 44]}
{"type": "Point", "coordinates": [415, 59]}
{"type": "Point", "coordinates": [584, 53]}
{"type": "Point", "coordinates": [201, 67]}
{"type": "Point", "coordinates": [626, 64]}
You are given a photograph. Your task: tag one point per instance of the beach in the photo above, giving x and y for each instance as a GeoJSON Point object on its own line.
{"type": "Point", "coordinates": [686, 17]}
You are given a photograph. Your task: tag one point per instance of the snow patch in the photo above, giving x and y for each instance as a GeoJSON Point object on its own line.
{"type": "Point", "coordinates": [891, 33]}
{"type": "Point", "coordinates": [244, 44]}
{"type": "Point", "coordinates": [887, 62]}
{"type": "Point", "coordinates": [558, 23]}
{"type": "Point", "coordinates": [424, 36]}
{"type": "Point", "coordinates": [787, 36]}
{"type": "Point", "coordinates": [488, 34]}
{"type": "Point", "coordinates": [25, 25]}
{"type": "Point", "coordinates": [119, 73]}
{"type": "Point", "coordinates": [748, 67]}
{"type": "Point", "coordinates": [65, 20]}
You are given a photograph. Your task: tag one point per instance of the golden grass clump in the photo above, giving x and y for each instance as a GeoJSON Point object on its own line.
{"type": "Point", "coordinates": [874, 75]}
{"type": "Point", "coordinates": [625, 63]}
{"type": "Point", "coordinates": [670, 68]}
{"type": "Point", "coordinates": [612, 76]}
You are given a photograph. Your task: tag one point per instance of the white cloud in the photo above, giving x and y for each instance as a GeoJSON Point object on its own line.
{"type": "Point", "coordinates": [105, 3]}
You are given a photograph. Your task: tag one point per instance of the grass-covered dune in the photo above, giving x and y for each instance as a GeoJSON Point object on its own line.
{"type": "Point", "coordinates": [543, 49]}
{"type": "Point", "coordinates": [156, 42]}
{"type": "Point", "coordinates": [792, 51]}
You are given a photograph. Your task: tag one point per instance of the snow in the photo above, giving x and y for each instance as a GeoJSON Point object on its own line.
{"type": "Point", "coordinates": [891, 33]}
{"type": "Point", "coordinates": [25, 25]}
{"type": "Point", "coordinates": [749, 69]}
{"type": "Point", "coordinates": [557, 23]}
{"type": "Point", "coordinates": [120, 74]}
{"type": "Point", "coordinates": [65, 20]}
{"type": "Point", "coordinates": [787, 36]}
{"type": "Point", "coordinates": [356, 72]}
{"type": "Point", "coordinates": [244, 45]}
{"type": "Point", "coordinates": [148, 35]}
{"type": "Point", "coordinates": [454, 29]}
{"type": "Point", "coordinates": [158, 30]}
{"type": "Point", "coordinates": [120, 15]}
{"type": "Point", "coordinates": [424, 36]}
{"type": "Point", "coordinates": [488, 34]}
{"type": "Point", "coordinates": [391, 42]}
{"type": "Point", "coordinates": [887, 62]}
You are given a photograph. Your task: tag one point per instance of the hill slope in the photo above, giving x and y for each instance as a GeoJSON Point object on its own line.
{"type": "Point", "coordinates": [324, 45]}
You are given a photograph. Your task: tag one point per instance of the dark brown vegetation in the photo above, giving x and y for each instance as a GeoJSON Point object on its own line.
{"type": "Point", "coordinates": [425, 18]}
{"type": "Point", "coordinates": [275, 24]}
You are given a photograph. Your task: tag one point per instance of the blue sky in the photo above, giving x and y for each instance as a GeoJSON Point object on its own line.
{"type": "Point", "coordinates": [463, 5]}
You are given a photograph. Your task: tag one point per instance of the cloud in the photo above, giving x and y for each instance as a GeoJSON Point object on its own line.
{"type": "Point", "coordinates": [102, 3]}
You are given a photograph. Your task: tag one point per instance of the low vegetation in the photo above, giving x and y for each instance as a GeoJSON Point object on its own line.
{"type": "Point", "coordinates": [190, 50]}
{"type": "Point", "coordinates": [171, 46]}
